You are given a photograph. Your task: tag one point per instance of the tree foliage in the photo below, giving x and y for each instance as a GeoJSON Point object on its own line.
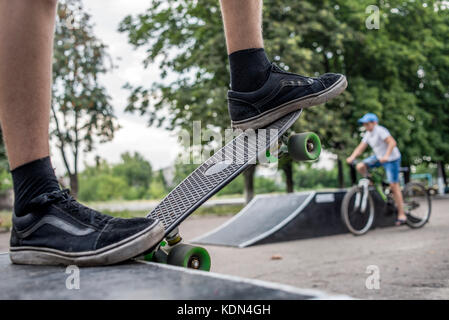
{"type": "Point", "coordinates": [135, 169]}
{"type": "Point", "coordinates": [130, 179]}
{"type": "Point", "coordinates": [397, 71]}
{"type": "Point", "coordinates": [82, 114]}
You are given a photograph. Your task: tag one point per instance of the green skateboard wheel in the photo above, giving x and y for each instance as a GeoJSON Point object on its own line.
{"type": "Point", "coordinates": [149, 257]}
{"type": "Point", "coordinates": [281, 151]}
{"type": "Point", "coordinates": [304, 146]}
{"type": "Point", "coordinates": [189, 256]}
{"type": "Point", "coordinates": [157, 255]}
{"type": "Point", "coordinates": [271, 158]}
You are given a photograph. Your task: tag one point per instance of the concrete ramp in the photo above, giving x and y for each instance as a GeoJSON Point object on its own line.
{"type": "Point", "coordinates": [274, 218]}
{"type": "Point", "coordinates": [139, 280]}
{"type": "Point", "coordinates": [263, 216]}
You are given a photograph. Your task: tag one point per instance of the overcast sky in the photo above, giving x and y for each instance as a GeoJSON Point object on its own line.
{"type": "Point", "coordinates": [156, 145]}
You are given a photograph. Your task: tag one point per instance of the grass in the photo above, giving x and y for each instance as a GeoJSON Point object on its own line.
{"type": "Point", "coordinates": [220, 210]}
{"type": "Point", "coordinates": [215, 197]}
{"type": "Point", "coordinates": [126, 213]}
{"type": "Point", "coordinates": [5, 217]}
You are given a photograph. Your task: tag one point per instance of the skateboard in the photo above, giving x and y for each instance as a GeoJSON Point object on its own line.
{"type": "Point", "coordinates": [211, 176]}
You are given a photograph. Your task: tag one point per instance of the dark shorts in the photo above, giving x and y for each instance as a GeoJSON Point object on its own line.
{"type": "Point", "coordinates": [392, 168]}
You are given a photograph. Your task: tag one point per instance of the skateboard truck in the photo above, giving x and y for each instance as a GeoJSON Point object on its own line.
{"type": "Point", "coordinates": [173, 251]}
{"type": "Point", "coordinates": [304, 146]}
{"type": "Point", "coordinates": [173, 237]}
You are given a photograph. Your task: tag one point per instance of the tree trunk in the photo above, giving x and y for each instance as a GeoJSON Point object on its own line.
{"type": "Point", "coordinates": [353, 173]}
{"type": "Point", "coordinates": [61, 183]}
{"type": "Point", "coordinates": [97, 161]}
{"type": "Point", "coordinates": [441, 178]}
{"type": "Point", "coordinates": [288, 170]}
{"type": "Point", "coordinates": [341, 182]}
{"type": "Point", "coordinates": [443, 173]}
{"type": "Point", "coordinates": [248, 174]}
{"type": "Point", "coordinates": [74, 185]}
{"type": "Point", "coordinates": [407, 173]}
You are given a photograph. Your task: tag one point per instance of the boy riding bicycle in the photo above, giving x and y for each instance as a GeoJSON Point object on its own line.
{"type": "Point", "coordinates": [386, 154]}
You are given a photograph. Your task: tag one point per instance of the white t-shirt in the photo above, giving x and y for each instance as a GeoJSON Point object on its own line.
{"type": "Point", "coordinates": [376, 140]}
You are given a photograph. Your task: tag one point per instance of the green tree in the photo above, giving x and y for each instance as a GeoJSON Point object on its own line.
{"type": "Point", "coordinates": [97, 183]}
{"type": "Point", "coordinates": [102, 187]}
{"type": "Point", "coordinates": [130, 179]}
{"type": "Point", "coordinates": [82, 114]}
{"type": "Point", "coordinates": [235, 187]}
{"type": "Point", "coordinates": [307, 177]}
{"type": "Point", "coordinates": [199, 92]}
{"type": "Point", "coordinates": [157, 190]}
{"type": "Point", "coordinates": [136, 171]}
{"type": "Point", "coordinates": [394, 71]}
{"type": "Point", "coordinates": [265, 185]}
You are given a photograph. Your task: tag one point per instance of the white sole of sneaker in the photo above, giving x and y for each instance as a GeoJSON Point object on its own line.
{"type": "Point", "coordinates": [264, 119]}
{"type": "Point", "coordinates": [112, 254]}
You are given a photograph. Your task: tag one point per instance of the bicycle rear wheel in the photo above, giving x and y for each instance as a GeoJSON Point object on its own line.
{"type": "Point", "coordinates": [357, 220]}
{"type": "Point", "coordinates": [417, 204]}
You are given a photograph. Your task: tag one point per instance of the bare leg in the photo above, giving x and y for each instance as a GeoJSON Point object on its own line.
{"type": "Point", "coordinates": [252, 71]}
{"type": "Point", "coordinates": [362, 169]}
{"type": "Point", "coordinates": [397, 195]}
{"type": "Point", "coordinates": [243, 24]}
{"type": "Point", "coordinates": [26, 37]}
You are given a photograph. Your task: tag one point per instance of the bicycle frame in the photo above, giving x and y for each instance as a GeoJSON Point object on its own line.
{"type": "Point", "coordinates": [377, 180]}
{"type": "Point", "coordinates": [361, 200]}
{"type": "Point", "coordinates": [415, 196]}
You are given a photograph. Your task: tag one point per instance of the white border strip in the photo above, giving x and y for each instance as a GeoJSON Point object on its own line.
{"type": "Point", "coordinates": [318, 295]}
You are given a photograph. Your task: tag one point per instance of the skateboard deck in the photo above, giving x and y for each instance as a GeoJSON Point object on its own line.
{"type": "Point", "coordinates": [217, 171]}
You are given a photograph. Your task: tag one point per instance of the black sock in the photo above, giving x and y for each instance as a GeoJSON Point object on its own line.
{"type": "Point", "coordinates": [30, 180]}
{"type": "Point", "coordinates": [249, 69]}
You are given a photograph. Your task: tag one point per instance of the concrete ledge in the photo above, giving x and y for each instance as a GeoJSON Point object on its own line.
{"type": "Point", "coordinates": [140, 280]}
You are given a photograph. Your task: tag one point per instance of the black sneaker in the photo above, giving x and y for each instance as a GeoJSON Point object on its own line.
{"type": "Point", "coordinates": [58, 230]}
{"type": "Point", "coordinates": [282, 93]}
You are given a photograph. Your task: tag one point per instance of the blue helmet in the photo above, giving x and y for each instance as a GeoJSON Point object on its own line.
{"type": "Point", "coordinates": [369, 117]}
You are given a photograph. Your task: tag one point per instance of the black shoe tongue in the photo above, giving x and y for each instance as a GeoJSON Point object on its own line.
{"type": "Point", "coordinates": [276, 68]}
{"type": "Point", "coordinates": [46, 199]}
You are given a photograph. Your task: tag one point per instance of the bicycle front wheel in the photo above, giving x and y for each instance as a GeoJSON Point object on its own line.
{"type": "Point", "coordinates": [357, 216]}
{"type": "Point", "coordinates": [417, 204]}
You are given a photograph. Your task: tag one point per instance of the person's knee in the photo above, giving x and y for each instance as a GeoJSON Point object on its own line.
{"type": "Point", "coordinates": [41, 4]}
{"type": "Point", "coordinates": [394, 186]}
{"type": "Point", "coordinates": [51, 3]}
{"type": "Point", "coordinates": [361, 167]}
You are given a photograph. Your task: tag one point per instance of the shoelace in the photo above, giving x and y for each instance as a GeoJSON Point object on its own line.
{"type": "Point", "coordinates": [68, 203]}
{"type": "Point", "coordinates": [276, 68]}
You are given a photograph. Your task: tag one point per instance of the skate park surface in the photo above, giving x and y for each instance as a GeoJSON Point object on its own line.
{"type": "Point", "coordinates": [139, 280]}
{"type": "Point", "coordinates": [413, 264]}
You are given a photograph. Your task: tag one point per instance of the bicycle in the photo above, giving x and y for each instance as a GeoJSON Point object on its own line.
{"type": "Point", "coordinates": [357, 209]}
